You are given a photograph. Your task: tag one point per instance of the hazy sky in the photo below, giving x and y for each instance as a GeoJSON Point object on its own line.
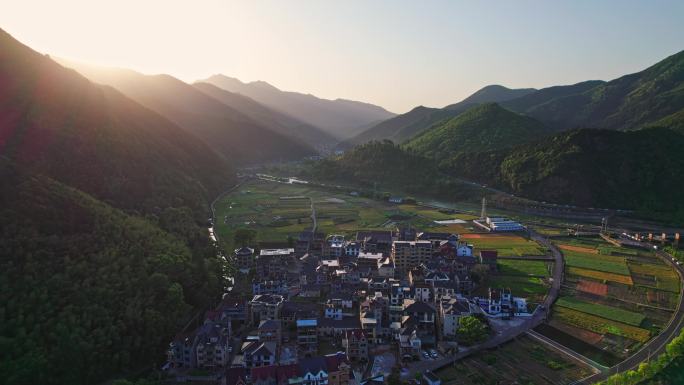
{"type": "Point", "coordinates": [397, 54]}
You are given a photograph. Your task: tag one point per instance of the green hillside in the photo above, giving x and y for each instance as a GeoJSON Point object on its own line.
{"type": "Point", "coordinates": [526, 102]}
{"type": "Point", "coordinates": [103, 250]}
{"type": "Point", "coordinates": [674, 122]}
{"type": "Point", "coordinates": [403, 127]}
{"type": "Point", "coordinates": [628, 102]}
{"type": "Point", "coordinates": [85, 290]}
{"type": "Point", "coordinates": [481, 128]}
{"type": "Point", "coordinates": [386, 165]}
{"type": "Point", "coordinates": [639, 170]}
{"type": "Point", "coordinates": [490, 94]}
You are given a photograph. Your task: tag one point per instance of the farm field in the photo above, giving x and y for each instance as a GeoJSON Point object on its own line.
{"type": "Point", "coordinates": [600, 275]}
{"type": "Point", "coordinates": [608, 264]}
{"type": "Point", "coordinates": [257, 205]}
{"type": "Point", "coordinates": [656, 276]}
{"type": "Point", "coordinates": [523, 267]}
{"type": "Point", "coordinates": [506, 244]}
{"type": "Point", "coordinates": [611, 313]}
{"type": "Point", "coordinates": [599, 325]}
{"type": "Point", "coordinates": [532, 288]}
{"type": "Point", "coordinates": [523, 361]}
{"type": "Point", "coordinates": [624, 295]}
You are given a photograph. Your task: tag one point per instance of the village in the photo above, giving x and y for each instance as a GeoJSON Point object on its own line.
{"type": "Point", "coordinates": [336, 309]}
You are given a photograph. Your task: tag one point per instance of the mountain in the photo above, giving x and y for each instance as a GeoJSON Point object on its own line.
{"type": "Point", "coordinates": [103, 202]}
{"type": "Point", "coordinates": [481, 128]}
{"type": "Point", "coordinates": [529, 101]}
{"type": "Point", "coordinates": [490, 94]}
{"type": "Point", "coordinates": [339, 117]}
{"type": "Point", "coordinates": [590, 167]}
{"type": "Point", "coordinates": [268, 117]}
{"type": "Point", "coordinates": [88, 291]}
{"type": "Point", "coordinates": [228, 131]}
{"type": "Point", "coordinates": [628, 102]}
{"type": "Point", "coordinates": [402, 127]}
{"type": "Point", "coordinates": [57, 123]}
{"type": "Point", "coordinates": [405, 126]}
{"type": "Point", "coordinates": [674, 122]}
{"type": "Point", "coordinates": [386, 165]}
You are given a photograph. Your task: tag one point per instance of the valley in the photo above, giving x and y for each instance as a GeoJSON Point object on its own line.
{"type": "Point", "coordinates": [443, 195]}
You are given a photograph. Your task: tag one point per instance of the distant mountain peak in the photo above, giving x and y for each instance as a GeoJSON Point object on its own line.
{"type": "Point", "coordinates": [340, 118]}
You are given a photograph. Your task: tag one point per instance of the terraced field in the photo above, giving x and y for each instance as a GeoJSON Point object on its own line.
{"type": "Point", "coordinates": [614, 292]}
{"type": "Point", "coordinates": [607, 312]}
{"type": "Point", "coordinates": [598, 262]}
{"type": "Point", "coordinates": [599, 324]}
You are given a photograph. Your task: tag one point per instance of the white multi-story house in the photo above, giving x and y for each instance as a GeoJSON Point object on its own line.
{"type": "Point", "coordinates": [451, 312]}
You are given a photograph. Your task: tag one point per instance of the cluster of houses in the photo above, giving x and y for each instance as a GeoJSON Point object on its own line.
{"type": "Point", "coordinates": [319, 309]}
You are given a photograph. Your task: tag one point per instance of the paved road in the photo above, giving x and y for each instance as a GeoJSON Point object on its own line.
{"type": "Point", "coordinates": [657, 345]}
{"type": "Point", "coordinates": [541, 338]}
{"type": "Point", "coordinates": [538, 317]}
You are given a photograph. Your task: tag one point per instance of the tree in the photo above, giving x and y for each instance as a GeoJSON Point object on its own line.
{"type": "Point", "coordinates": [480, 274]}
{"type": "Point", "coordinates": [244, 237]}
{"type": "Point", "coordinates": [471, 330]}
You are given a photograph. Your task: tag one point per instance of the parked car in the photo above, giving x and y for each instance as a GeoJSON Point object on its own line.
{"type": "Point", "coordinates": [426, 355]}
{"type": "Point", "coordinates": [433, 353]}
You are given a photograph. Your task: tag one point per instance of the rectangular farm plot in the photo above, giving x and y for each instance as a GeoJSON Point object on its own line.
{"type": "Point", "coordinates": [608, 264]}
{"type": "Point", "coordinates": [523, 267]}
{"type": "Point", "coordinates": [592, 287]}
{"type": "Point", "coordinates": [578, 249]}
{"type": "Point", "coordinates": [506, 245]}
{"type": "Point", "coordinates": [600, 275]}
{"type": "Point", "coordinates": [603, 311]}
{"type": "Point", "coordinates": [599, 324]}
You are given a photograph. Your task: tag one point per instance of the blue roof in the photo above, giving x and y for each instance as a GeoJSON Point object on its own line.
{"type": "Point", "coordinates": [307, 322]}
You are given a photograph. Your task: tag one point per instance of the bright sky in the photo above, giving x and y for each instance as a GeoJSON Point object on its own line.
{"type": "Point", "coordinates": [397, 54]}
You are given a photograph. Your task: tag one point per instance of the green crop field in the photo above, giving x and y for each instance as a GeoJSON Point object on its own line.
{"type": "Point", "coordinates": [608, 264]}
{"type": "Point", "coordinates": [506, 245]}
{"type": "Point", "coordinates": [523, 267]}
{"type": "Point", "coordinates": [599, 324]}
{"type": "Point", "coordinates": [531, 288]}
{"type": "Point", "coordinates": [603, 311]}
{"type": "Point", "coordinates": [656, 276]}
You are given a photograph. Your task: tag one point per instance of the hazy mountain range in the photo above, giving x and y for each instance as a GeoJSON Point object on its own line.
{"type": "Point", "coordinates": [340, 118]}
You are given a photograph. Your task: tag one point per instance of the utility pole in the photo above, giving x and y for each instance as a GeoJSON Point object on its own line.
{"type": "Point", "coordinates": [483, 213]}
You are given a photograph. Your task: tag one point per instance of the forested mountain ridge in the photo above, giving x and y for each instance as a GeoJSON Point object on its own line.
{"type": "Point", "coordinates": [534, 99]}
{"type": "Point", "coordinates": [405, 126]}
{"type": "Point", "coordinates": [629, 102]}
{"type": "Point", "coordinates": [103, 250]}
{"type": "Point", "coordinates": [386, 165]}
{"type": "Point", "coordinates": [57, 123]}
{"type": "Point", "coordinates": [638, 170]}
{"type": "Point", "coordinates": [494, 93]}
{"type": "Point", "coordinates": [481, 128]}
{"type": "Point", "coordinates": [87, 291]}
{"type": "Point", "coordinates": [228, 131]}
{"type": "Point", "coordinates": [338, 117]}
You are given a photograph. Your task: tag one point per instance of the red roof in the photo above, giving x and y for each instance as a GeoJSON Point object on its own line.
{"type": "Point", "coordinates": [488, 254]}
{"type": "Point", "coordinates": [264, 372]}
